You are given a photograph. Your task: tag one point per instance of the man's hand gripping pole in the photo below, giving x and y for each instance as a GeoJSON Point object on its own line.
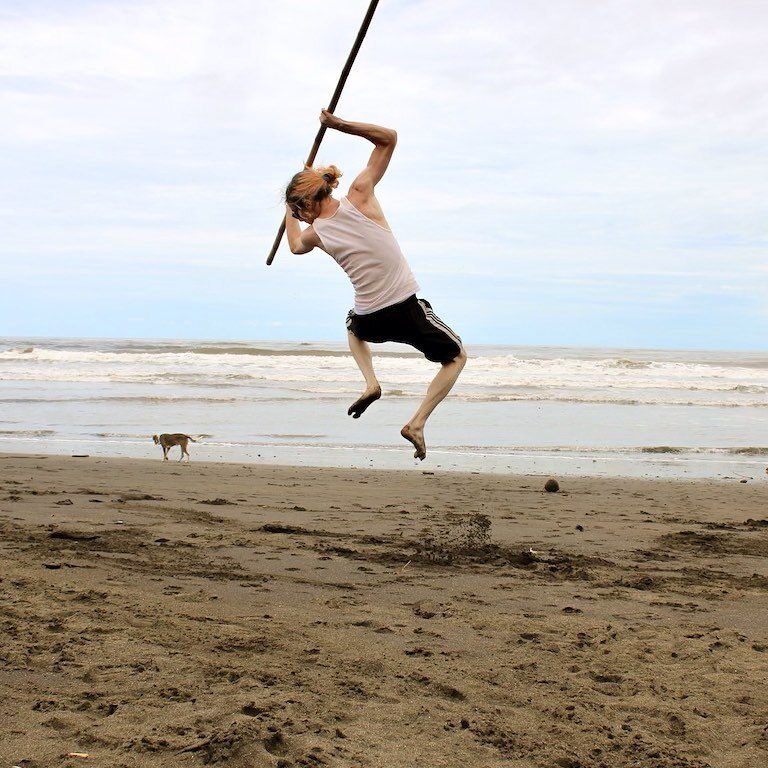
{"type": "Point", "coordinates": [331, 108]}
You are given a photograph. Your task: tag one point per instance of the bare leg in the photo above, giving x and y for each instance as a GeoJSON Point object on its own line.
{"type": "Point", "coordinates": [441, 385]}
{"type": "Point", "coordinates": [362, 354]}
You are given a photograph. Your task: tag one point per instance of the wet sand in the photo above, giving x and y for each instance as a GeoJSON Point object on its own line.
{"type": "Point", "coordinates": [159, 614]}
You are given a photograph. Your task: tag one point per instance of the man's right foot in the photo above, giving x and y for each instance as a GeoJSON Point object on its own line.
{"type": "Point", "coordinates": [357, 409]}
{"type": "Point", "coordinates": [416, 438]}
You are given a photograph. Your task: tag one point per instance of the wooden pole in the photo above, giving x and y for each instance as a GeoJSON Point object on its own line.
{"type": "Point", "coordinates": [331, 107]}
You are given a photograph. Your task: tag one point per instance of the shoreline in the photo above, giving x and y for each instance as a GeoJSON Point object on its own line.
{"type": "Point", "coordinates": [645, 463]}
{"type": "Point", "coordinates": [159, 614]}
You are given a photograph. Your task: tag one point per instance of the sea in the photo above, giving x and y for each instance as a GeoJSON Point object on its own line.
{"type": "Point", "coordinates": [549, 411]}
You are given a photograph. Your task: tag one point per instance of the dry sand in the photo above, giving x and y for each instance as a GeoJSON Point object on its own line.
{"type": "Point", "coordinates": [157, 614]}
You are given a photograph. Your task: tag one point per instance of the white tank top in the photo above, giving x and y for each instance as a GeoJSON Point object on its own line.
{"type": "Point", "coordinates": [370, 256]}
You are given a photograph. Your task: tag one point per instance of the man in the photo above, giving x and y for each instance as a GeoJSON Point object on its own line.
{"type": "Point", "coordinates": [355, 233]}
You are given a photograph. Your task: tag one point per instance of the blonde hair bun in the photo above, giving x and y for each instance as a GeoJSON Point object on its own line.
{"type": "Point", "coordinates": [311, 185]}
{"type": "Point", "coordinates": [331, 174]}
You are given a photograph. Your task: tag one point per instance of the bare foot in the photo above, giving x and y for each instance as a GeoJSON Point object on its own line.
{"type": "Point", "coordinates": [416, 437]}
{"type": "Point", "coordinates": [357, 409]}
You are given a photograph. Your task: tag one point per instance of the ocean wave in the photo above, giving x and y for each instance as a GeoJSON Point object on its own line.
{"type": "Point", "coordinates": [21, 351]}
{"type": "Point", "coordinates": [597, 399]}
{"type": "Point", "coordinates": [341, 395]}
{"type": "Point", "coordinates": [251, 351]}
{"type": "Point", "coordinates": [601, 451]}
{"type": "Point", "coordinates": [27, 432]}
{"type": "Point", "coordinates": [122, 435]}
{"type": "Point", "coordinates": [750, 389]}
{"type": "Point", "coordinates": [291, 436]}
{"type": "Point", "coordinates": [123, 399]}
{"type": "Point", "coordinates": [223, 372]}
{"type": "Point", "coordinates": [182, 353]}
{"type": "Point", "coordinates": [398, 378]}
{"type": "Point", "coordinates": [630, 364]}
{"type": "Point", "coordinates": [712, 450]}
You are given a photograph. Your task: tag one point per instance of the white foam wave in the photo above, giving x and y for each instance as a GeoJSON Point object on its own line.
{"type": "Point", "coordinates": [492, 377]}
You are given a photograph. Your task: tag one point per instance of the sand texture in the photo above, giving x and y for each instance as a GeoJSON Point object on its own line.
{"type": "Point", "coordinates": [158, 614]}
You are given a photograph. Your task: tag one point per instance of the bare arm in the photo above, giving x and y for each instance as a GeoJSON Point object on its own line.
{"type": "Point", "coordinates": [299, 241]}
{"type": "Point", "coordinates": [384, 140]}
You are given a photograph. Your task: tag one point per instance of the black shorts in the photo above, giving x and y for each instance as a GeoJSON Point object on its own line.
{"type": "Point", "coordinates": [410, 322]}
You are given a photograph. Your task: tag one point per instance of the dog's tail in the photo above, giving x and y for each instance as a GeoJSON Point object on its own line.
{"type": "Point", "coordinates": [192, 438]}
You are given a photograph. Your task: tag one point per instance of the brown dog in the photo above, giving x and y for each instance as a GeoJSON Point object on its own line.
{"type": "Point", "coordinates": [168, 441]}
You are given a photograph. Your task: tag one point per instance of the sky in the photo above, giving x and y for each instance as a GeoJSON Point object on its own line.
{"type": "Point", "coordinates": [567, 173]}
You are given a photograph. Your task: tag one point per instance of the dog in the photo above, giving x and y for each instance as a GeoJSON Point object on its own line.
{"type": "Point", "coordinates": [168, 441]}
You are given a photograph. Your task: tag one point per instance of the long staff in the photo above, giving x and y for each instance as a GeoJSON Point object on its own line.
{"type": "Point", "coordinates": [331, 107]}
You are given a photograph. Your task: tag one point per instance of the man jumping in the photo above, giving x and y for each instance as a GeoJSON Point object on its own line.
{"type": "Point", "coordinates": [355, 233]}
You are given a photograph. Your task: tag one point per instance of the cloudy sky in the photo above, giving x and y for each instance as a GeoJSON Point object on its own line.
{"type": "Point", "coordinates": [574, 172]}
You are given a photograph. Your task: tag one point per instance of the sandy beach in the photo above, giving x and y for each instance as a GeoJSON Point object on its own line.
{"type": "Point", "coordinates": [160, 614]}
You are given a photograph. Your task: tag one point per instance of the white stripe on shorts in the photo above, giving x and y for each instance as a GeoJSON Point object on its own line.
{"type": "Point", "coordinates": [437, 322]}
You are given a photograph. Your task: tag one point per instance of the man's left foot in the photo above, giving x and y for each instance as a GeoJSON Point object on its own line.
{"type": "Point", "coordinates": [416, 438]}
{"type": "Point", "coordinates": [357, 409]}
